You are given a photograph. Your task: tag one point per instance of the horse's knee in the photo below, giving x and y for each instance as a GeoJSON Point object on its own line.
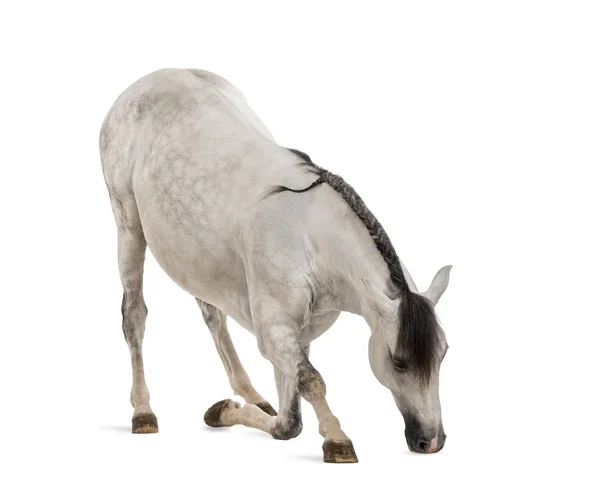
{"type": "Point", "coordinates": [310, 383]}
{"type": "Point", "coordinates": [287, 427]}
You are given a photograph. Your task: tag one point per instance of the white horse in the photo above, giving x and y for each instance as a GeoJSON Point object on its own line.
{"type": "Point", "coordinates": [196, 176]}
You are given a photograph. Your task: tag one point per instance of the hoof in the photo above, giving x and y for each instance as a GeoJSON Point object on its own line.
{"type": "Point", "coordinates": [212, 417]}
{"type": "Point", "coordinates": [266, 407]}
{"type": "Point", "coordinates": [339, 452]}
{"type": "Point", "coordinates": [144, 423]}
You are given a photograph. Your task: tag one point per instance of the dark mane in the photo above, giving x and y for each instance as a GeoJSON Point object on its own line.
{"type": "Point", "coordinates": [418, 338]}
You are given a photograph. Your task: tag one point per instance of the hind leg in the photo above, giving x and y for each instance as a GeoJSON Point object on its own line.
{"type": "Point", "coordinates": [239, 380]}
{"type": "Point", "coordinates": [131, 255]}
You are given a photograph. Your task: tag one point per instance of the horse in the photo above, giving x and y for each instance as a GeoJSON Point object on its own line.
{"type": "Point", "coordinates": [258, 232]}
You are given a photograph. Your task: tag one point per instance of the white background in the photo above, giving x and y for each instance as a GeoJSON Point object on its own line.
{"type": "Point", "coordinates": [469, 128]}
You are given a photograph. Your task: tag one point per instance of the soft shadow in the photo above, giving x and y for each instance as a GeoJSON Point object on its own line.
{"type": "Point", "coordinates": [252, 433]}
{"type": "Point", "coordinates": [116, 428]}
{"type": "Point", "coordinates": [415, 454]}
{"type": "Point", "coordinates": [215, 429]}
{"type": "Point", "coordinates": [310, 458]}
{"type": "Point", "coordinates": [239, 430]}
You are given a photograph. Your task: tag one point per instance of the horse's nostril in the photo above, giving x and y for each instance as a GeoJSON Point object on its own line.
{"type": "Point", "coordinates": [422, 446]}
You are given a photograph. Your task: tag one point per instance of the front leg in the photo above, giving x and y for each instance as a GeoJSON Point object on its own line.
{"type": "Point", "coordinates": [287, 424]}
{"type": "Point", "coordinates": [289, 419]}
{"type": "Point", "coordinates": [281, 345]}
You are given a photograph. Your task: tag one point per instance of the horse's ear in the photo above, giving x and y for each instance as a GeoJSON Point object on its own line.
{"type": "Point", "coordinates": [438, 285]}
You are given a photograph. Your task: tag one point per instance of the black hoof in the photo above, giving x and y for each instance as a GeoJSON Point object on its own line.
{"type": "Point", "coordinates": [212, 417]}
{"type": "Point", "coordinates": [144, 423]}
{"type": "Point", "coordinates": [339, 452]}
{"type": "Point", "coordinates": [266, 407]}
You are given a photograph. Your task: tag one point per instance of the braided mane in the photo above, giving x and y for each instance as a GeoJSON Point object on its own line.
{"type": "Point", "coordinates": [418, 336]}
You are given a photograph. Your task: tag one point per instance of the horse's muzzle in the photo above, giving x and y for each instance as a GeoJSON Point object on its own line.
{"type": "Point", "coordinates": [422, 440]}
{"type": "Point", "coordinates": [423, 445]}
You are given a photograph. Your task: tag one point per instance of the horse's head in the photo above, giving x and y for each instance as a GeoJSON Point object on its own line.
{"type": "Point", "coordinates": [405, 352]}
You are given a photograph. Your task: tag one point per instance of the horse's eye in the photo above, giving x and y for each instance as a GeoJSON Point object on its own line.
{"type": "Point", "coordinates": [400, 364]}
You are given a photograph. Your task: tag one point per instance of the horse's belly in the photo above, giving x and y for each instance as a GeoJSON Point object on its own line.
{"type": "Point", "coordinates": [199, 256]}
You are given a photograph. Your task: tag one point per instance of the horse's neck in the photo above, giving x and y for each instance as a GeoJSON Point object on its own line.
{"type": "Point", "coordinates": [351, 271]}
